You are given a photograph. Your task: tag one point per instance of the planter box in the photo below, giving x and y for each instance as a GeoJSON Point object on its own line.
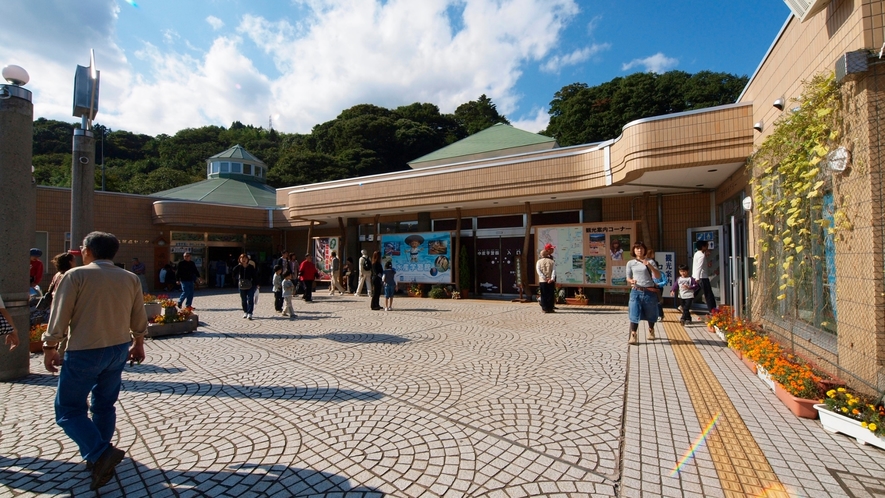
{"type": "Point", "coordinates": [750, 364]}
{"type": "Point", "coordinates": [36, 347]}
{"type": "Point", "coordinates": [803, 408]}
{"type": "Point", "coordinates": [575, 301]}
{"type": "Point", "coordinates": [177, 328]}
{"type": "Point", "coordinates": [833, 422]}
{"type": "Point", "coordinates": [763, 374]}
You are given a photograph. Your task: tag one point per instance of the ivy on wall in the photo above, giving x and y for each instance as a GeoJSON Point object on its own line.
{"type": "Point", "coordinates": [789, 180]}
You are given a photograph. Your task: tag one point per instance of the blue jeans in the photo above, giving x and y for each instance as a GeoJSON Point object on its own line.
{"type": "Point", "coordinates": [187, 292]}
{"type": "Point", "coordinates": [247, 299]}
{"type": "Point", "coordinates": [219, 280]}
{"type": "Point", "coordinates": [98, 371]}
{"type": "Point", "coordinates": [643, 306]}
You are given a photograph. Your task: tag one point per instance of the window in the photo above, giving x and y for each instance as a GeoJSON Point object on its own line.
{"type": "Point", "coordinates": [247, 169]}
{"type": "Point", "coordinates": [225, 167]}
{"type": "Point", "coordinates": [259, 171]}
{"type": "Point", "coordinates": [215, 167]}
{"type": "Point", "coordinates": [236, 168]}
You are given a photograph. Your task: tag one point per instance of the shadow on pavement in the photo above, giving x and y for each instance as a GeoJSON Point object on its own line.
{"type": "Point", "coordinates": [43, 476]}
{"type": "Point", "coordinates": [292, 393]}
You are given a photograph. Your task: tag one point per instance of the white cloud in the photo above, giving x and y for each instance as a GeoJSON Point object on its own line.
{"type": "Point", "coordinates": [537, 120]}
{"type": "Point", "coordinates": [556, 63]}
{"type": "Point", "coordinates": [215, 22]}
{"type": "Point", "coordinates": [657, 63]}
{"type": "Point", "coordinates": [342, 53]}
{"type": "Point", "coordinates": [170, 36]}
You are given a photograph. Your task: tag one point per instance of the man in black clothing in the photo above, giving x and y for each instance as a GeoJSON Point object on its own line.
{"type": "Point", "coordinates": [188, 275]}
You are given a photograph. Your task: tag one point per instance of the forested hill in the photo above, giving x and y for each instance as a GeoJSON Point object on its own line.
{"type": "Point", "coordinates": [366, 139]}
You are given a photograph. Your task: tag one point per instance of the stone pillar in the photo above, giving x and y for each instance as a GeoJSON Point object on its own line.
{"type": "Point", "coordinates": [82, 185]}
{"type": "Point", "coordinates": [19, 220]}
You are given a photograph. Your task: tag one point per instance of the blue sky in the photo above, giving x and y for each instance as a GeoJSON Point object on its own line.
{"type": "Point", "coordinates": [168, 65]}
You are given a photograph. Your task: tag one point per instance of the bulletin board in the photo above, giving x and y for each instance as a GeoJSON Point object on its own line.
{"type": "Point", "coordinates": [590, 254]}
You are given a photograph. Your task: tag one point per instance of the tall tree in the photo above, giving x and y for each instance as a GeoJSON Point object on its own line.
{"type": "Point", "coordinates": [479, 114]}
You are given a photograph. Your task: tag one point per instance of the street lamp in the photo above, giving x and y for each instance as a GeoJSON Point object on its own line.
{"type": "Point", "coordinates": [86, 82]}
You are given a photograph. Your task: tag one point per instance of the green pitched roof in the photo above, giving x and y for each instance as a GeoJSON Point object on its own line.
{"type": "Point", "coordinates": [237, 152]}
{"type": "Point", "coordinates": [225, 191]}
{"type": "Point", "coordinates": [497, 138]}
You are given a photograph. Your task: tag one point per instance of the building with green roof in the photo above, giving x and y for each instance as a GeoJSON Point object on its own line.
{"type": "Point", "coordinates": [497, 140]}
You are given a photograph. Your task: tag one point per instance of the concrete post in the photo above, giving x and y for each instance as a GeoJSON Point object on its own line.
{"type": "Point", "coordinates": [82, 186]}
{"type": "Point", "coordinates": [19, 220]}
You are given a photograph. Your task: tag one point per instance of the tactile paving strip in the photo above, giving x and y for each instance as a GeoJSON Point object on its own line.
{"type": "Point", "coordinates": [741, 466]}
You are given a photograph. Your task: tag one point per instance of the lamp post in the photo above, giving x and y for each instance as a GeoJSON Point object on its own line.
{"type": "Point", "coordinates": [18, 224]}
{"type": "Point", "coordinates": [86, 82]}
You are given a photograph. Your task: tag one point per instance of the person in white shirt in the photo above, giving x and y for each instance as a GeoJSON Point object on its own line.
{"type": "Point", "coordinates": [699, 272]}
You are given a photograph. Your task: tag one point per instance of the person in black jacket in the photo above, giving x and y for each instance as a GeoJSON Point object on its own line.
{"type": "Point", "coordinates": [246, 277]}
{"type": "Point", "coordinates": [188, 276]}
{"type": "Point", "coordinates": [377, 271]}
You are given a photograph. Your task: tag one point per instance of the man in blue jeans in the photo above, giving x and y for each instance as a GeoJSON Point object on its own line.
{"type": "Point", "coordinates": [188, 275]}
{"type": "Point", "coordinates": [103, 308]}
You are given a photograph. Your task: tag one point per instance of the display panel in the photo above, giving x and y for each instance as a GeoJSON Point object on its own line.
{"type": "Point", "coordinates": [424, 258]}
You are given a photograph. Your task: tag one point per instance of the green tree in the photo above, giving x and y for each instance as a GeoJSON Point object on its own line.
{"type": "Point", "coordinates": [479, 114]}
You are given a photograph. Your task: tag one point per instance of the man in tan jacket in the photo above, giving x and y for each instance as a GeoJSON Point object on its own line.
{"type": "Point", "coordinates": [100, 308]}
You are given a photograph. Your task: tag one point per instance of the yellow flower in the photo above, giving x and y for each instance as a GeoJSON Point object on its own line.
{"type": "Point", "coordinates": [844, 409]}
{"type": "Point", "coordinates": [864, 425]}
{"type": "Point", "coordinates": [831, 393]}
{"type": "Point", "coordinates": [841, 389]}
{"type": "Point", "coordinates": [872, 427]}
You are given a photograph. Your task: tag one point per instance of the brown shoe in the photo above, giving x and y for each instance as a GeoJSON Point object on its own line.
{"type": "Point", "coordinates": [633, 341]}
{"type": "Point", "coordinates": [103, 470]}
{"type": "Point", "coordinates": [651, 334]}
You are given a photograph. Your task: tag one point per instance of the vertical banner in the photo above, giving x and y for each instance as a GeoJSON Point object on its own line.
{"type": "Point", "coordinates": [569, 253]}
{"type": "Point", "coordinates": [667, 264]}
{"type": "Point", "coordinates": [322, 256]}
{"type": "Point", "coordinates": [424, 258]}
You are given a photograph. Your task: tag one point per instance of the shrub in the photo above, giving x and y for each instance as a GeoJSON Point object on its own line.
{"type": "Point", "coordinates": [437, 293]}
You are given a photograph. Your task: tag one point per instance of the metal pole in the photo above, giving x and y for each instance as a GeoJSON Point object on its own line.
{"type": "Point", "coordinates": [82, 184]}
{"type": "Point", "coordinates": [18, 224]}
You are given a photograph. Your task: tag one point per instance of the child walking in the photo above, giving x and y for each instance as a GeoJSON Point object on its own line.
{"type": "Point", "coordinates": [288, 290]}
{"type": "Point", "coordinates": [686, 285]}
{"type": "Point", "coordinates": [388, 278]}
{"type": "Point", "coordinates": [278, 288]}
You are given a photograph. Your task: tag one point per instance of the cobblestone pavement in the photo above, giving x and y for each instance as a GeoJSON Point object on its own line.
{"type": "Point", "coordinates": [436, 398]}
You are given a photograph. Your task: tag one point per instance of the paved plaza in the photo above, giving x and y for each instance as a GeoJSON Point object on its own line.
{"type": "Point", "coordinates": [474, 398]}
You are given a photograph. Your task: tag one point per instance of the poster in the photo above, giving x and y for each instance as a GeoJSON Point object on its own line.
{"type": "Point", "coordinates": [590, 254]}
{"type": "Point", "coordinates": [424, 258]}
{"type": "Point", "coordinates": [667, 264]}
{"type": "Point", "coordinates": [322, 256]}
{"type": "Point", "coordinates": [569, 252]}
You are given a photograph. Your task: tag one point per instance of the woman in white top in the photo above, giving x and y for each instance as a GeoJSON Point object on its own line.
{"type": "Point", "coordinates": [641, 274]}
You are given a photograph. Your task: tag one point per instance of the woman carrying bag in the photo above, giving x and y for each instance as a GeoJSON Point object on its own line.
{"type": "Point", "coordinates": [246, 277]}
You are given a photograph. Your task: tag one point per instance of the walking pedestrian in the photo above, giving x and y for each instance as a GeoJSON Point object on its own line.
{"type": "Point", "coordinates": [100, 308]}
{"type": "Point", "coordinates": [685, 286]}
{"type": "Point", "coordinates": [641, 274]}
{"type": "Point", "coordinates": [375, 289]}
{"type": "Point", "coordinates": [288, 292]}
{"type": "Point", "coordinates": [246, 277]}
{"type": "Point", "coordinates": [278, 288]}
{"type": "Point", "coordinates": [365, 269]}
{"type": "Point", "coordinates": [188, 276]}
{"type": "Point", "coordinates": [699, 266]}
{"type": "Point", "coordinates": [335, 275]}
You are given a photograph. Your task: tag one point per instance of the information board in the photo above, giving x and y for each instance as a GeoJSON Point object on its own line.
{"type": "Point", "coordinates": [423, 258]}
{"type": "Point", "coordinates": [591, 254]}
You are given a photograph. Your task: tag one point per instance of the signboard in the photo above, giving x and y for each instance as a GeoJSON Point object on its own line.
{"type": "Point", "coordinates": [322, 256]}
{"type": "Point", "coordinates": [591, 254]}
{"type": "Point", "coordinates": [667, 264]}
{"type": "Point", "coordinates": [424, 258]}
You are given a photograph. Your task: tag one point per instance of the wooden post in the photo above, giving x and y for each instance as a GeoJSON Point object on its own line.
{"type": "Point", "coordinates": [377, 238]}
{"type": "Point", "coordinates": [309, 236]}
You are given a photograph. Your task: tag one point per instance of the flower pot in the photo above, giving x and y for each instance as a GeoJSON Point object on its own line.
{"type": "Point", "coordinates": [739, 354]}
{"type": "Point", "coordinates": [762, 373]}
{"type": "Point", "coordinates": [152, 310]}
{"type": "Point", "coordinates": [833, 422]}
{"type": "Point", "coordinates": [801, 407]}
{"type": "Point", "coordinates": [36, 347]}
{"type": "Point", "coordinates": [174, 328]}
{"type": "Point", "coordinates": [575, 301]}
{"type": "Point", "coordinates": [464, 293]}
{"type": "Point", "coordinates": [750, 364]}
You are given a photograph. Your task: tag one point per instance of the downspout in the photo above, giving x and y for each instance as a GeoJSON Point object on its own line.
{"type": "Point", "coordinates": [660, 221]}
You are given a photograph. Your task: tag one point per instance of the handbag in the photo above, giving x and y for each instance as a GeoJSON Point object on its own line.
{"type": "Point", "coordinates": [45, 302]}
{"type": "Point", "coordinates": [245, 283]}
{"type": "Point", "coordinates": [5, 326]}
{"type": "Point", "coordinates": [299, 287]}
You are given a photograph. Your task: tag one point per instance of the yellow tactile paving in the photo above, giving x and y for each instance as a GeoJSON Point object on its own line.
{"type": "Point", "coordinates": [740, 464]}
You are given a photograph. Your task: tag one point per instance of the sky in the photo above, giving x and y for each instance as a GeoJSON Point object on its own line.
{"type": "Point", "coordinates": [292, 64]}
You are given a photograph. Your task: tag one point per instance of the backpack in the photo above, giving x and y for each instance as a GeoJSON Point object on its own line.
{"type": "Point", "coordinates": [367, 265]}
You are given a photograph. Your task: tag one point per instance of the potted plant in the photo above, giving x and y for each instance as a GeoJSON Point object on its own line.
{"type": "Point", "coordinates": [415, 289]}
{"type": "Point", "coordinates": [464, 278]}
{"type": "Point", "coordinates": [152, 305]}
{"type": "Point", "coordinates": [796, 385]}
{"type": "Point", "coordinates": [853, 415]}
{"type": "Point", "coordinates": [437, 292]}
{"type": "Point", "coordinates": [36, 337]}
{"type": "Point", "coordinates": [579, 297]}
